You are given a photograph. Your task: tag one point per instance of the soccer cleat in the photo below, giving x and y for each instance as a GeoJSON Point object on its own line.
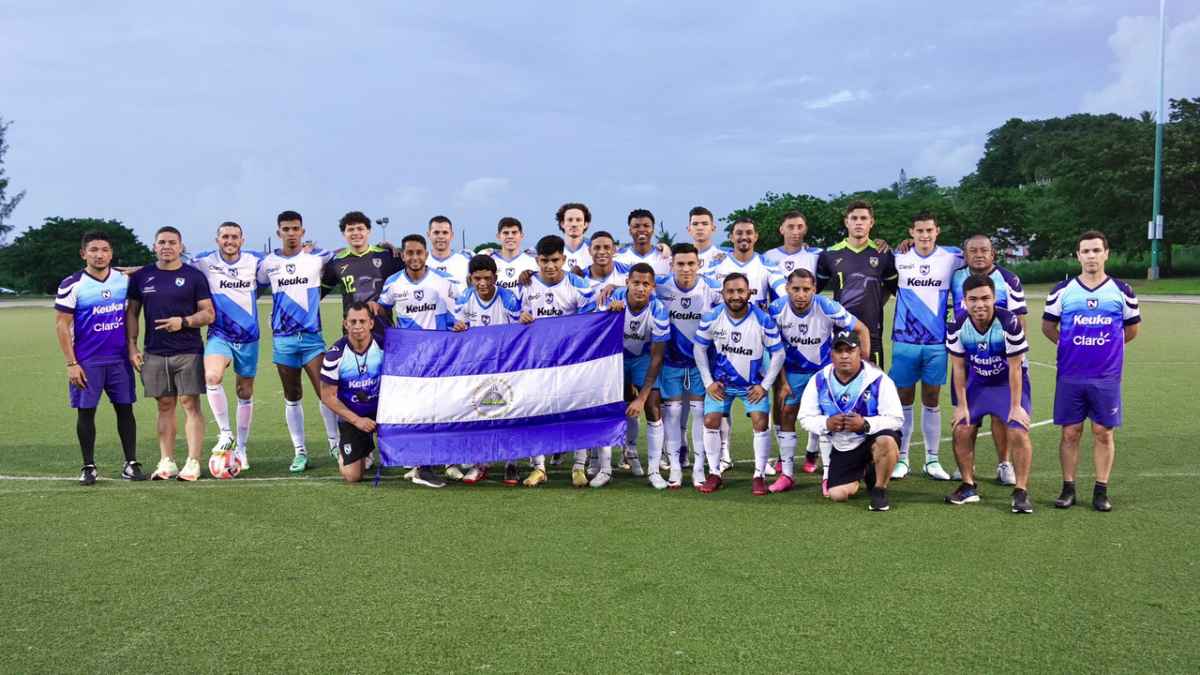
{"type": "Point", "coordinates": [511, 476]}
{"type": "Point", "coordinates": [934, 471]}
{"type": "Point", "coordinates": [724, 466]}
{"type": "Point", "coordinates": [963, 494]}
{"type": "Point", "coordinates": [191, 470]}
{"type": "Point", "coordinates": [1100, 502]}
{"type": "Point", "coordinates": [879, 500]}
{"type": "Point", "coordinates": [133, 471]}
{"type": "Point", "coordinates": [601, 479]}
{"type": "Point", "coordinates": [299, 463]}
{"type": "Point", "coordinates": [166, 469]}
{"type": "Point", "coordinates": [535, 478]}
{"type": "Point", "coordinates": [810, 463]}
{"type": "Point", "coordinates": [824, 487]}
{"type": "Point", "coordinates": [593, 470]}
{"type": "Point", "coordinates": [1005, 474]}
{"type": "Point", "coordinates": [710, 484]}
{"type": "Point", "coordinates": [333, 451]}
{"type": "Point", "coordinates": [635, 466]}
{"type": "Point", "coordinates": [556, 459]}
{"type": "Point", "coordinates": [426, 476]}
{"type": "Point", "coordinates": [901, 470]}
{"type": "Point", "coordinates": [243, 462]}
{"type": "Point", "coordinates": [771, 469]}
{"type": "Point", "coordinates": [579, 477]}
{"type": "Point", "coordinates": [88, 475]}
{"type": "Point", "coordinates": [224, 443]}
{"type": "Point", "coordinates": [758, 487]}
{"type": "Point", "coordinates": [782, 484]}
{"type": "Point", "coordinates": [1065, 500]}
{"type": "Point", "coordinates": [411, 473]}
{"type": "Point", "coordinates": [477, 473]}
{"type": "Point", "coordinates": [658, 482]}
{"type": "Point", "coordinates": [453, 472]}
{"type": "Point", "coordinates": [1020, 502]}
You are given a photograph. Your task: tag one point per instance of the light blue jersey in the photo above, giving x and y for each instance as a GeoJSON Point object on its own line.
{"type": "Point", "coordinates": [1009, 293]}
{"type": "Point", "coordinates": [923, 295]}
{"type": "Point", "coordinates": [503, 308]}
{"type": "Point", "coordinates": [643, 328]}
{"type": "Point", "coordinates": [570, 295]}
{"type": "Point", "coordinates": [234, 287]}
{"type": "Point", "coordinates": [295, 282]}
{"type": "Point", "coordinates": [685, 308]}
{"type": "Point", "coordinates": [736, 346]}
{"type": "Point", "coordinates": [806, 337]}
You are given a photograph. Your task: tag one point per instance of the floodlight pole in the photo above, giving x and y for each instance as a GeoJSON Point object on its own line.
{"type": "Point", "coordinates": [383, 223]}
{"type": "Point", "coordinates": [1156, 223]}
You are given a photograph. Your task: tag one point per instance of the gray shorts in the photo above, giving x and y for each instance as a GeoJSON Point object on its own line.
{"type": "Point", "coordinates": [178, 375]}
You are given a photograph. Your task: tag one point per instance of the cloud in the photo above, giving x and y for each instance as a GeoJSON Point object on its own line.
{"type": "Point", "coordinates": [481, 191]}
{"type": "Point", "coordinates": [947, 160]}
{"type": "Point", "coordinates": [1134, 44]}
{"type": "Point", "coordinates": [838, 98]}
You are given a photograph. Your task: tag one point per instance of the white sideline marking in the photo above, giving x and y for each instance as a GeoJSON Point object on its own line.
{"type": "Point", "coordinates": [942, 441]}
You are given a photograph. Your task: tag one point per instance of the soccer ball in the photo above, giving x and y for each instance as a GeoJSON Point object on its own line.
{"type": "Point", "coordinates": [223, 465]}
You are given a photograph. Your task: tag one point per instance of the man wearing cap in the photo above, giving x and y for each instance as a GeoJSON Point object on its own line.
{"type": "Point", "coordinates": [856, 405]}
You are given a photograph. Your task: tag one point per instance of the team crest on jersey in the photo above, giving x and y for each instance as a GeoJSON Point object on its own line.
{"type": "Point", "coordinates": [492, 397]}
{"type": "Point", "coordinates": [106, 294]}
{"type": "Point", "coordinates": [377, 262]}
{"type": "Point", "coordinates": [802, 328]}
{"type": "Point", "coordinates": [635, 325]}
{"type": "Point", "coordinates": [1093, 303]}
{"type": "Point", "coordinates": [485, 319]}
{"type": "Point", "coordinates": [291, 269]}
{"type": "Point", "coordinates": [685, 302]}
{"type": "Point", "coordinates": [179, 281]}
{"type": "Point", "coordinates": [233, 271]}
{"type": "Point", "coordinates": [924, 270]}
{"type": "Point", "coordinates": [789, 265]}
{"type": "Point", "coordinates": [866, 395]}
{"type": "Point", "coordinates": [419, 294]}
{"type": "Point", "coordinates": [981, 347]}
{"type": "Point", "coordinates": [549, 298]}
{"type": "Point", "coordinates": [509, 272]}
{"type": "Point", "coordinates": [342, 268]}
{"type": "Point", "coordinates": [736, 336]}
{"type": "Point", "coordinates": [844, 399]}
{"type": "Point", "coordinates": [873, 261]}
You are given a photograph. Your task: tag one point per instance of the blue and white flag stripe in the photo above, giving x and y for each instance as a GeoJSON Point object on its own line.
{"type": "Point", "coordinates": [502, 392]}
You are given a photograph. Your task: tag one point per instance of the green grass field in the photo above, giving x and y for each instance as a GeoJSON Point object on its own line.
{"type": "Point", "coordinates": [267, 572]}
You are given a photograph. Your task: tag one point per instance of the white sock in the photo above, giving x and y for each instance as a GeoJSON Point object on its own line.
{"type": "Point", "coordinates": [712, 448]}
{"type": "Point", "coordinates": [811, 448]}
{"type": "Point", "coordinates": [632, 427]}
{"type": "Point", "coordinates": [293, 412]}
{"type": "Point", "coordinates": [931, 431]}
{"type": "Point", "coordinates": [331, 430]}
{"type": "Point", "coordinates": [538, 462]}
{"type": "Point", "coordinates": [698, 431]}
{"type": "Point", "coordinates": [581, 458]}
{"type": "Point", "coordinates": [778, 430]}
{"type": "Point", "coordinates": [762, 452]}
{"type": "Point", "coordinates": [906, 432]}
{"type": "Point", "coordinates": [606, 459]}
{"type": "Point", "coordinates": [826, 447]}
{"type": "Point", "coordinates": [726, 430]}
{"type": "Point", "coordinates": [672, 412]}
{"type": "Point", "coordinates": [787, 452]}
{"type": "Point", "coordinates": [245, 413]}
{"type": "Point", "coordinates": [683, 423]}
{"type": "Point", "coordinates": [654, 444]}
{"type": "Point", "coordinates": [219, 405]}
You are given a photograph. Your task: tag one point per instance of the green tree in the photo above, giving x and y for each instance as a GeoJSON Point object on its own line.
{"type": "Point", "coordinates": [7, 204]}
{"type": "Point", "coordinates": [42, 256]}
{"type": "Point", "coordinates": [487, 245]}
{"type": "Point", "coordinates": [823, 224]}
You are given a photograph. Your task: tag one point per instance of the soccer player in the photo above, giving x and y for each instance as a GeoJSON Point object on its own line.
{"type": "Point", "coordinates": [418, 293]}
{"type": "Point", "coordinates": [856, 405]}
{"type": "Point", "coordinates": [807, 323]}
{"type": "Point", "coordinates": [647, 330]}
{"type": "Point", "coordinates": [981, 259]}
{"type": "Point", "coordinates": [603, 271]}
{"type": "Point", "coordinates": [177, 302]}
{"type": "Point", "coordinates": [987, 351]}
{"type": "Point", "coordinates": [359, 269]}
{"type": "Point", "coordinates": [233, 336]}
{"type": "Point", "coordinates": [553, 291]}
{"type": "Point", "coordinates": [511, 261]}
{"type": "Point", "coordinates": [794, 254]}
{"type": "Point", "coordinates": [294, 276]}
{"type": "Point", "coordinates": [443, 257]}
{"type": "Point", "coordinates": [923, 273]}
{"type": "Point", "coordinates": [642, 248]}
{"type": "Point", "coordinates": [90, 323]}
{"type": "Point", "coordinates": [701, 227]}
{"type": "Point", "coordinates": [573, 221]}
{"type": "Point", "coordinates": [486, 304]}
{"type": "Point", "coordinates": [350, 376]}
{"type": "Point", "coordinates": [861, 272]}
{"type": "Point", "coordinates": [688, 296]}
{"type": "Point", "coordinates": [1090, 317]}
{"type": "Point", "coordinates": [729, 349]}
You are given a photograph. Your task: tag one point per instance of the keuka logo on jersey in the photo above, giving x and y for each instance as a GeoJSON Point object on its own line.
{"type": "Point", "coordinates": [294, 281]}
{"type": "Point", "coordinates": [727, 348]}
{"type": "Point", "coordinates": [685, 316]}
{"type": "Point", "coordinates": [238, 285]}
{"type": "Point", "coordinates": [548, 311]}
{"type": "Point", "coordinates": [417, 309]}
{"type": "Point", "coordinates": [928, 283]}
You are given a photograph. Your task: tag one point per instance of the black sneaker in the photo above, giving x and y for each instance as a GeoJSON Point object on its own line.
{"type": "Point", "coordinates": [511, 475]}
{"type": "Point", "coordinates": [88, 475]}
{"type": "Point", "coordinates": [1020, 502]}
{"type": "Point", "coordinates": [425, 476]}
{"type": "Point", "coordinates": [133, 471]}
{"type": "Point", "coordinates": [879, 500]}
{"type": "Point", "coordinates": [1100, 502]}
{"type": "Point", "coordinates": [1065, 500]}
{"type": "Point", "coordinates": [964, 494]}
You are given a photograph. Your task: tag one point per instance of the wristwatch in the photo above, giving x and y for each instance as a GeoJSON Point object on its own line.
{"type": "Point", "coordinates": [866, 427]}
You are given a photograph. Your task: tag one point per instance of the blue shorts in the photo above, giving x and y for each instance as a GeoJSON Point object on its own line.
{"type": "Point", "coordinates": [294, 351]}
{"type": "Point", "coordinates": [797, 381]}
{"type": "Point", "coordinates": [994, 400]}
{"type": "Point", "coordinates": [243, 354]}
{"type": "Point", "coordinates": [712, 405]}
{"type": "Point", "coordinates": [674, 382]}
{"type": "Point", "coordinates": [635, 370]}
{"type": "Point", "coordinates": [1078, 400]}
{"type": "Point", "coordinates": [114, 379]}
{"type": "Point", "coordinates": [918, 363]}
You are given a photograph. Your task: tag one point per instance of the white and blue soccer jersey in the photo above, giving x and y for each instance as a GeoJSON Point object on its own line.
{"type": "Point", "coordinates": [503, 308]}
{"type": "Point", "coordinates": [987, 352]}
{"type": "Point", "coordinates": [616, 277]}
{"type": "Point", "coordinates": [580, 257]}
{"type": "Point", "coordinates": [807, 337]}
{"type": "Point", "coordinates": [570, 295]}
{"type": "Point", "coordinates": [650, 325]}
{"type": "Point", "coordinates": [629, 257]}
{"type": "Point", "coordinates": [356, 375]}
{"type": "Point", "coordinates": [97, 307]}
{"type": "Point", "coordinates": [426, 303]}
{"type": "Point", "coordinates": [295, 283]}
{"type": "Point", "coordinates": [736, 347]}
{"type": "Point", "coordinates": [685, 308]}
{"type": "Point", "coordinates": [766, 282]}
{"type": "Point", "coordinates": [234, 287]}
{"type": "Point", "coordinates": [924, 295]}
{"type": "Point", "coordinates": [709, 255]}
{"type": "Point", "coordinates": [1009, 293]}
{"type": "Point", "coordinates": [1091, 327]}
{"type": "Point", "coordinates": [786, 263]}
{"type": "Point", "coordinates": [508, 271]}
{"type": "Point", "coordinates": [454, 267]}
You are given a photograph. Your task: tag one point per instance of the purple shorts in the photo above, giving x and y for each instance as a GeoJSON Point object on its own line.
{"type": "Point", "coordinates": [114, 379]}
{"type": "Point", "coordinates": [1078, 400]}
{"type": "Point", "coordinates": [994, 400]}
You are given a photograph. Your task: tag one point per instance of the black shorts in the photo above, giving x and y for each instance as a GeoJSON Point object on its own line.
{"type": "Point", "coordinates": [355, 443]}
{"type": "Point", "coordinates": [851, 466]}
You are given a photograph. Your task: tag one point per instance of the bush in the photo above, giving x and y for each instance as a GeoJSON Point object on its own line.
{"type": "Point", "coordinates": [1185, 261]}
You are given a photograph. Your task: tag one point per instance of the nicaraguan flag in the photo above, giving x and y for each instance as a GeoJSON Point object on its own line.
{"type": "Point", "coordinates": [502, 392]}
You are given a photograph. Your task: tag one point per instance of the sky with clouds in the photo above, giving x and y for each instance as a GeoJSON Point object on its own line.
{"type": "Point", "coordinates": [159, 113]}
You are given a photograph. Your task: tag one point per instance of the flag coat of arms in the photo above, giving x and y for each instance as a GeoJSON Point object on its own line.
{"type": "Point", "coordinates": [502, 392]}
